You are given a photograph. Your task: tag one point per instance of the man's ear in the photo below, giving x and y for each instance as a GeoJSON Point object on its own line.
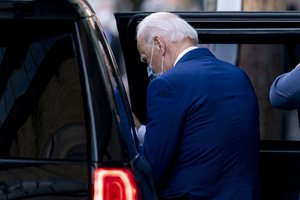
{"type": "Point", "coordinates": [159, 43]}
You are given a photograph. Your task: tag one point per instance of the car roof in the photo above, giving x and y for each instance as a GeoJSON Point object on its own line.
{"type": "Point", "coordinates": [45, 9]}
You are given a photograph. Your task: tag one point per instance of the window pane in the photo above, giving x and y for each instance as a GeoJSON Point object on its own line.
{"type": "Point", "coordinates": [41, 100]}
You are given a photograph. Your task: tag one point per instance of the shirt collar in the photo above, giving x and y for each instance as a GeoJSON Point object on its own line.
{"type": "Point", "coordinates": [183, 53]}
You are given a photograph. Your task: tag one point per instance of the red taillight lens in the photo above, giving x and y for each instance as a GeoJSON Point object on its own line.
{"type": "Point", "coordinates": [114, 184]}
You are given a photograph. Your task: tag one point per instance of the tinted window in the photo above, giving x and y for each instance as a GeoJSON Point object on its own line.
{"type": "Point", "coordinates": [41, 108]}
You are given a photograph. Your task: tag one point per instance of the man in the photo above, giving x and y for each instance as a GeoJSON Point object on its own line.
{"type": "Point", "coordinates": [202, 134]}
{"type": "Point", "coordinates": [285, 90]}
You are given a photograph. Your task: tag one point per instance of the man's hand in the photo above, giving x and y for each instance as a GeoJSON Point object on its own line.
{"type": "Point", "coordinates": [140, 129]}
{"type": "Point", "coordinates": [137, 122]}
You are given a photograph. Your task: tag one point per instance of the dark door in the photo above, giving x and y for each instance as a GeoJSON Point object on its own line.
{"type": "Point", "coordinates": [43, 141]}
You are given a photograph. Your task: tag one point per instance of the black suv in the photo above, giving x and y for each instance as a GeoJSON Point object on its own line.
{"type": "Point", "coordinates": [66, 126]}
{"type": "Point", "coordinates": [66, 129]}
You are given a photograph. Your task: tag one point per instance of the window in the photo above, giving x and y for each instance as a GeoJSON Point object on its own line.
{"type": "Point", "coordinates": [41, 107]}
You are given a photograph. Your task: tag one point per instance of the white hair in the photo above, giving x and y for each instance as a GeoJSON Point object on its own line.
{"type": "Point", "coordinates": [167, 25]}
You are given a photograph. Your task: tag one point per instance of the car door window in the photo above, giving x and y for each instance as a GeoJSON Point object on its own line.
{"type": "Point", "coordinates": [41, 105]}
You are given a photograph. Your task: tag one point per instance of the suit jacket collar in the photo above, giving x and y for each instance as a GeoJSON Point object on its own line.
{"type": "Point", "coordinates": [195, 53]}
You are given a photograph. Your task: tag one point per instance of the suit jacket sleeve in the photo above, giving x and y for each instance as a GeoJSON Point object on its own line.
{"type": "Point", "coordinates": [285, 90]}
{"type": "Point", "coordinates": [163, 128]}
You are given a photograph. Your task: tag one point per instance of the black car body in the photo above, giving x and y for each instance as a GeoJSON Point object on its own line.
{"type": "Point", "coordinates": [264, 44]}
{"type": "Point", "coordinates": [66, 129]}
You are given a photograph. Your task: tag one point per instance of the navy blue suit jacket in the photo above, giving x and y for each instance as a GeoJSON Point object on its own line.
{"type": "Point", "coordinates": [202, 134]}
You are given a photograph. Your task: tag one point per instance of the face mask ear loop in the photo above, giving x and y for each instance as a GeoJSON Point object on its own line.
{"type": "Point", "coordinates": [162, 64]}
{"type": "Point", "coordinates": [151, 53]}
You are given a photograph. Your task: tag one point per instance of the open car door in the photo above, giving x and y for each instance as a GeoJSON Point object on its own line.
{"type": "Point", "coordinates": [264, 44]}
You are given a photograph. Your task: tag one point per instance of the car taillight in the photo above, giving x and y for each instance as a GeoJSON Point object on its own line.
{"type": "Point", "coordinates": [114, 184]}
